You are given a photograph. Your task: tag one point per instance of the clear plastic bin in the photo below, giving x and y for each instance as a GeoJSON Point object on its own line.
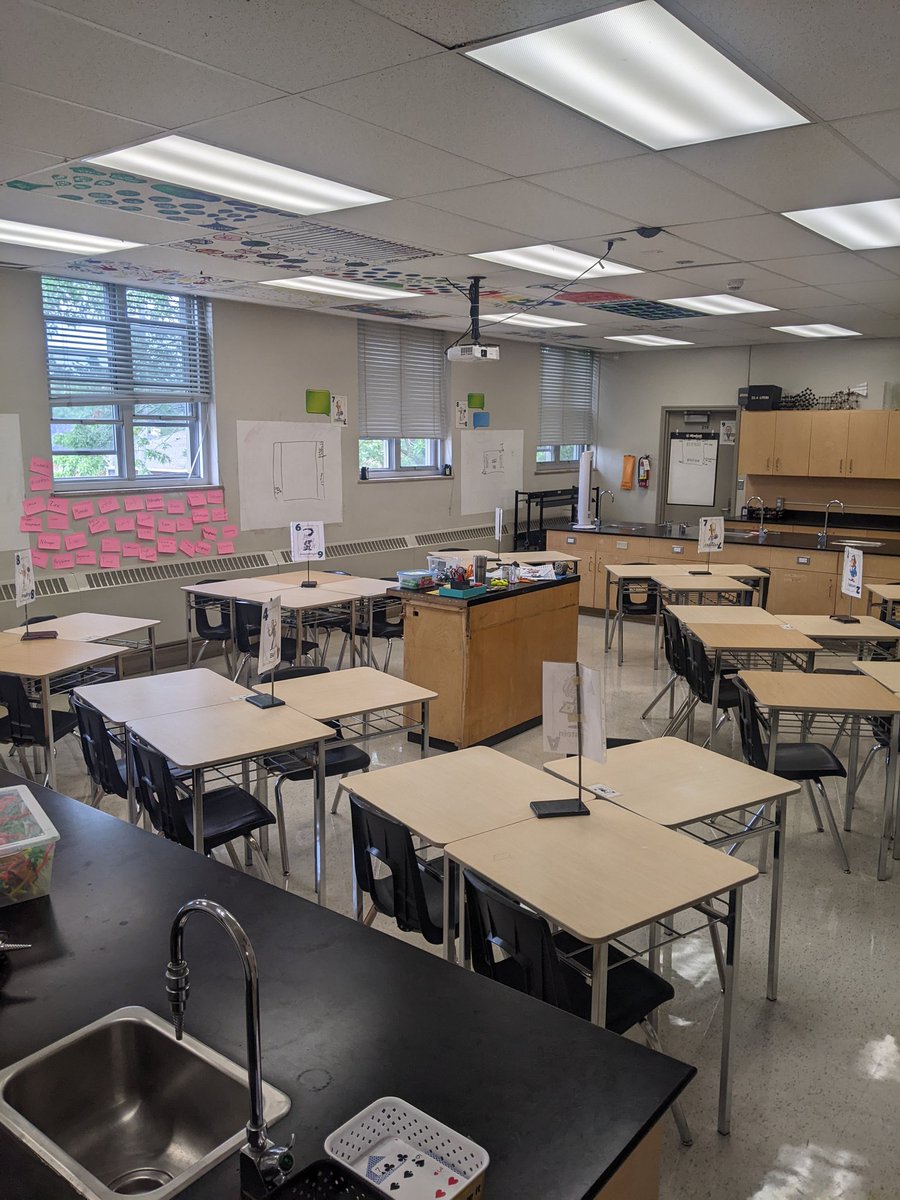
{"type": "Point", "coordinates": [27, 844]}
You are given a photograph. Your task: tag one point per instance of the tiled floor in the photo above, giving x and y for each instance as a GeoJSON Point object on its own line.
{"type": "Point", "coordinates": [817, 1092]}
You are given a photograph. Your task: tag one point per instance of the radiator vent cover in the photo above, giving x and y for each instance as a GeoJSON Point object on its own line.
{"type": "Point", "coordinates": [187, 570]}
{"type": "Point", "coordinates": [457, 535]}
{"type": "Point", "coordinates": [346, 549]}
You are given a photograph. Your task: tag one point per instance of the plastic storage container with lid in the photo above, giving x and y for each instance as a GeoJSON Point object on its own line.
{"type": "Point", "coordinates": [27, 843]}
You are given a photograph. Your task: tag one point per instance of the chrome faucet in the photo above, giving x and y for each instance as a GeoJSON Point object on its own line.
{"type": "Point", "coordinates": [822, 539]}
{"type": "Point", "coordinates": [762, 531]}
{"type": "Point", "coordinates": [612, 500]}
{"type": "Point", "coordinates": [263, 1164]}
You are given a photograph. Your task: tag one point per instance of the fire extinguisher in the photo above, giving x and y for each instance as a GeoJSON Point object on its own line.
{"type": "Point", "coordinates": [644, 471]}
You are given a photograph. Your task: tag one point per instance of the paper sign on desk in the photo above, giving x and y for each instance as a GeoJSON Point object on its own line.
{"type": "Point", "coordinates": [40, 558]}
{"type": "Point", "coordinates": [110, 545]}
{"type": "Point", "coordinates": [108, 504]}
{"type": "Point", "coordinates": [49, 541]}
{"type": "Point", "coordinates": [601, 790]}
{"type": "Point", "coordinates": [852, 574]}
{"type": "Point", "coordinates": [40, 483]}
{"type": "Point", "coordinates": [167, 545]}
{"type": "Point", "coordinates": [86, 558]}
{"type": "Point", "coordinates": [131, 549]}
{"type": "Point", "coordinates": [30, 525]}
{"type": "Point", "coordinates": [34, 505]}
{"type": "Point", "coordinates": [225, 548]}
{"type": "Point", "coordinates": [146, 534]}
{"type": "Point", "coordinates": [147, 554]}
{"type": "Point", "coordinates": [218, 514]}
{"type": "Point", "coordinates": [75, 541]}
{"type": "Point", "coordinates": [25, 587]}
{"type": "Point", "coordinates": [109, 561]}
{"type": "Point", "coordinates": [155, 503]}
{"type": "Point", "coordinates": [57, 520]}
{"type": "Point", "coordinates": [124, 524]}
{"type": "Point", "coordinates": [98, 524]}
{"type": "Point", "coordinates": [63, 562]}
{"type": "Point", "coordinates": [196, 499]}
{"type": "Point", "coordinates": [573, 702]}
{"type": "Point", "coordinates": [164, 525]}
{"type": "Point", "coordinates": [145, 518]}
{"type": "Point", "coordinates": [229, 531]}
{"type": "Point", "coordinates": [134, 503]}
{"type": "Point", "coordinates": [183, 524]}
{"type": "Point", "coordinates": [270, 636]}
{"type": "Point", "coordinates": [711, 539]}
{"type": "Point", "coordinates": [199, 516]}
{"type": "Point", "coordinates": [40, 466]}
{"type": "Point", "coordinates": [175, 507]}
{"type": "Point", "coordinates": [187, 548]}
{"type": "Point", "coordinates": [82, 509]}
{"type": "Point", "coordinates": [307, 541]}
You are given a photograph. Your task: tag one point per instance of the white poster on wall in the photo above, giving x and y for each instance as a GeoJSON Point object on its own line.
{"type": "Point", "coordinates": [490, 468]}
{"type": "Point", "coordinates": [12, 483]}
{"type": "Point", "coordinates": [289, 471]}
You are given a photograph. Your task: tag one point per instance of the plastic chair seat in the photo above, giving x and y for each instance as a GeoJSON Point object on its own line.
{"type": "Point", "coordinates": [806, 760]}
{"type": "Point", "coordinates": [228, 813]}
{"type": "Point", "coordinates": [340, 758]}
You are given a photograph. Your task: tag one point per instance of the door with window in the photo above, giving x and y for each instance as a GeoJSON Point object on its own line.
{"type": "Point", "coordinates": [722, 422]}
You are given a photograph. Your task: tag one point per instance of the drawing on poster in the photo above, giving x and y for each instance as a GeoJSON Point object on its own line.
{"type": "Point", "coordinates": [493, 461]}
{"type": "Point", "coordinates": [289, 471]}
{"type": "Point", "coordinates": [298, 470]}
{"type": "Point", "coordinates": [490, 468]}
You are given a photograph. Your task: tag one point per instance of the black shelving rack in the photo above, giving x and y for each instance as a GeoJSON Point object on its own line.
{"type": "Point", "coordinates": [530, 533]}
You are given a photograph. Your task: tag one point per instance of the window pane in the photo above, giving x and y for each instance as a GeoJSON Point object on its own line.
{"type": "Point", "coordinates": [374, 454]}
{"type": "Point", "coordinates": [416, 452]}
{"type": "Point", "coordinates": [85, 466]}
{"type": "Point", "coordinates": [164, 410]}
{"type": "Point", "coordinates": [544, 454]}
{"type": "Point", "coordinates": [72, 435]}
{"type": "Point", "coordinates": [162, 449]}
{"type": "Point", "coordinates": [569, 453]}
{"type": "Point", "coordinates": [156, 306]}
{"type": "Point", "coordinates": [83, 412]}
{"type": "Point", "coordinates": [74, 298]}
{"type": "Point", "coordinates": [79, 357]}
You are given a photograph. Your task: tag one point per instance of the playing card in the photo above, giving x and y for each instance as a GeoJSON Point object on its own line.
{"type": "Point", "coordinates": [601, 790]}
{"type": "Point", "coordinates": [398, 1169]}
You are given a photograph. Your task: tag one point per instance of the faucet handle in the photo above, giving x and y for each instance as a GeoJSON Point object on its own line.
{"type": "Point", "coordinates": [264, 1170]}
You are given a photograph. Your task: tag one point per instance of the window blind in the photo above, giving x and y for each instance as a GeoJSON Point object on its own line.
{"type": "Point", "coordinates": [113, 343]}
{"type": "Point", "coordinates": [402, 382]}
{"type": "Point", "coordinates": [569, 384]}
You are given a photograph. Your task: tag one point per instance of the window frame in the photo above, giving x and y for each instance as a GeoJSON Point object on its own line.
{"type": "Point", "coordinates": [559, 411]}
{"type": "Point", "coordinates": [556, 463]}
{"type": "Point", "coordinates": [395, 470]}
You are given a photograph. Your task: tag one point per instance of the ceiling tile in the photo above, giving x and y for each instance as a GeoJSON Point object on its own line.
{"type": "Point", "coordinates": [472, 20]}
{"type": "Point", "coordinates": [785, 299]}
{"type": "Point", "coordinates": [826, 269]}
{"type": "Point", "coordinates": [649, 190]}
{"type": "Point", "coordinates": [63, 129]}
{"type": "Point", "coordinates": [756, 238]}
{"type": "Point", "coordinates": [878, 136]}
{"type": "Point", "coordinates": [89, 66]}
{"type": "Point", "coordinates": [45, 208]}
{"type": "Point", "coordinates": [15, 162]}
{"type": "Point", "coordinates": [661, 253]}
{"type": "Point", "coordinates": [532, 211]}
{"type": "Point", "coordinates": [287, 45]}
{"type": "Point", "coordinates": [888, 259]}
{"type": "Point", "coordinates": [804, 167]}
{"type": "Point", "coordinates": [429, 227]}
{"type": "Point", "coordinates": [456, 104]}
{"type": "Point", "coordinates": [715, 279]}
{"type": "Point", "coordinates": [880, 295]}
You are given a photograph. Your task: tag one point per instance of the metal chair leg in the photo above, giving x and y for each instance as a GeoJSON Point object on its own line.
{"type": "Point", "coordinates": [817, 816]}
{"type": "Point", "coordinates": [282, 832]}
{"type": "Point", "coordinates": [684, 1130]}
{"type": "Point", "coordinates": [387, 654]}
{"type": "Point", "coordinates": [23, 761]}
{"type": "Point", "coordinates": [861, 774]}
{"type": "Point", "coordinates": [260, 858]}
{"type": "Point", "coordinates": [664, 690]}
{"type": "Point", "coordinates": [342, 787]}
{"type": "Point", "coordinates": [832, 825]}
{"type": "Point", "coordinates": [717, 954]}
{"type": "Point", "coordinates": [370, 916]}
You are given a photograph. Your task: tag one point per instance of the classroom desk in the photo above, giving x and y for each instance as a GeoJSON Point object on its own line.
{"type": "Point", "coordinates": [101, 627]}
{"type": "Point", "coordinates": [722, 614]}
{"type": "Point", "coordinates": [886, 673]}
{"type": "Point", "coordinates": [678, 784]}
{"type": "Point", "coordinates": [678, 588]}
{"type": "Point", "coordinates": [44, 659]}
{"type": "Point", "coordinates": [237, 732]}
{"type": "Point", "coordinates": [295, 577]}
{"type": "Point", "coordinates": [228, 590]}
{"type": "Point", "coordinates": [866, 630]}
{"type": "Point", "coordinates": [603, 876]}
{"type": "Point", "coordinates": [882, 593]}
{"type": "Point", "coordinates": [854, 695]}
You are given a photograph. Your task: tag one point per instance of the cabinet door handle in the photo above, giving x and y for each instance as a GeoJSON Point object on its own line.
{"type": "Point", "coordinates": [590, 565]}
{"type": "Point", "coordinates": [768, 464]}
{"type": "Point", "coordinates": [850, 467]}
{"type": "Point", "coordinates": [777, 464]}
{"type": "Point", "coordinates": [841, 467]}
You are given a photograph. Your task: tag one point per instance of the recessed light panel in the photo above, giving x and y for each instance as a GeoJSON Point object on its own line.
{"type": "Point", "coordinates": [646, 339]}
{"type": "Point", "coordinates": [182, 160]}
{"type": "Point", "coordinates": [338, 287]}
{"type": "Point", "coordinates": [527, 321]}
{"type": "Point", "coordinates": [720, 306]}
{"type": "Point", "coordinates": [556, 261]}
{"type": "Point", "coordinates": [641, 71]}
{"type": "Point", "coordinates": [869, 226]}
{"type": "Point", "coordinates": [817, 331]}
{"type": "Point", "coordinates": [64, 240]}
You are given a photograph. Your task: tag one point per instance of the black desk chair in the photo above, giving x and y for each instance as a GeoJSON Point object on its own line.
{"type": "Point", "coordinates": [632, 590]}
{"type": "Point", "coordinates": [382, 628]}
{"type": "Point", "coordinates": [26, 729]}
{"type": "Point", "coordinates": [673, 648]}
{"type": "Point", "coordinates": [412, 893]}
{"type": "Point", "coordinates": [700, 676]}
{"type": "Point", "coordinates": [212, 623]}
{"type": "Point", "coordinates": [514, 946]}
{"type": "Point", "coordinates": [247, 624]}
{"type": "Point", "coordinates": [108, 773]}
{"type": "Point", "coordinates": [804, 762]}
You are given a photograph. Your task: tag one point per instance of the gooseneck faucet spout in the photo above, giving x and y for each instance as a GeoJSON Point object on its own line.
{"type": "Point", "coordinates": [822, 540]}
{"type": "Point", "coordinates": [762, 531]}
{"type": "Point", "coordinates": [612, 500]}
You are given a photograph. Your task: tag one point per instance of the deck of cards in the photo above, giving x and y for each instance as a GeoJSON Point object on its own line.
{"type": "Point", "coordinates": [399, 1169]}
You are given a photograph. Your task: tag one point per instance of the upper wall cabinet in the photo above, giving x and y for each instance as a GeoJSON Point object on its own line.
{"type": "Point", "coordinates": [862, 444]}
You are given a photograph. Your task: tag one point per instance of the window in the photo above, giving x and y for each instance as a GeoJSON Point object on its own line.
{"type": "Point", "coordinates": [569, 386]}
{"type": "Point", "coordinates": [130, 385]}
{"type": "Point", "coordinates": [402, 400]}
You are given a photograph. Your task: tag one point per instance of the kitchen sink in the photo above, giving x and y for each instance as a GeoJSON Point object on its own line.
{"type": "Point", "coordinates": [120, 1108]}
{"type": "Point", "coordinates": [853, 542]}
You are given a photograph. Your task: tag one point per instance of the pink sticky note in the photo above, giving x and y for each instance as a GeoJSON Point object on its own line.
{"type": "Point", "coordinates": [124, 524]}
{"type": "Point", "coordinates": [110, 545]}
{"type": "Point", "coordinates": [199, 515]}
{"type": "Point", "coordinates": [154, 503]}
{"type": "Point", "coordinates": [39, 558]}
{"type": "Point", "coordinates": [86, 558]}
{"type": "Point", "coordinates": [145, 518]}
{"type": "Point", "coordinates": [110, 561]}
{"type": "Point", "coordinates": [134, 503]}
{"type": "Point", "coordinates": [40, 483]}
{"type": "Point", "coordinates": [30, 525]}
{"type": "Point", "coordinates": [75, 541]}
{"type": "Point", "coordinates": [58, 504]}
{"type": "Point", "coordinates": [215, 496]}
{"type": "Point", "coordinates": [167, 546]}
{"type": "Point", "coordinates": [174, 507]}
{"type": "Point", "coordinates": [225, 548]}
{"type": "Point", "coordinates": [108, 504]}
{"type": "Point", "coordinates": [164, 525]}
{"type": "Point", "coordinates": [229, 531]}
{"type": "Point", "coordinates": [145, 534]}
{"type": "Point", "coordinates": [82, 509]}
{"type": "Point", "coordinates": [63, 562]}
{"type": "Point", "coordinates": [204, 548]}
{"type": "Point", "coordinates": [209, 533]}
{"type": "Point", "coordinates": [49, 541]}
{"type": "Point", "coordinates": [57, 520]}
{"type": "Point", "coordinates": [218, 514]}
{"type": "Point", "coordinates": [184, 524]}
{"type": "Point", "coordinates": [33, 506]}
{"type": "Point", "coordinates": [147, 554]}
{"type": "Point", "coordinates": [184, 546]}
{"type": "Point", "coordinates": [40, 466]}
{"type": "Point", "coordinates": [98, 524]}
{"type": "Point", "coordinates": [131, 549]}
{"type": "Point", "coordinates": [196, 499]}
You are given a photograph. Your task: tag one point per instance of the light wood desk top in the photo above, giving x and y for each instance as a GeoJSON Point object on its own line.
{"type": "Point", "coordinates": [347, 693]}
{"type": "Point", "coordinates": [699, 583]}
{"type": "Point", "coordinates": [298, 598]}
{"type": "Point", "coordinates": [296, 576]}
{"type": "Point", "coordinates": [222, 733]}
{"type": "Point", "coordinates": [642, 570]}
{"type": "Point", "coordinates": [887, 673]}
{"type": "Point", "coordinates": [870, 629]}
{"type": "Point", "coordinates": [721, 614]}
{"type": "Point", "coordinates": [233, 589]}
{"type": "Point", "coordinates": [51, 656]}
{"type": "Point", "coordinates": [124, 700]}
{"type": "Point", "coordinates": [673, 782]}
{"type": "Point", "coordinates": [884, 591]}
{"type": "Point", "coordinates": [91, 627]}
{"type": "Point", "coordinates": [762, 637]}
{"type": "Point", "coordinates": [736, 570]}
{"type": "Point", "coordinates": [801, 691]}
{"type": "Point", "coordinates": [602, 875]}
{"type": "Point", "coordinates": [456, 795]}
{"type": "Point", "coordinates": [360, 584]}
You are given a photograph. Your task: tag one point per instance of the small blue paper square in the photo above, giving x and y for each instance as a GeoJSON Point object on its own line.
{"type": "Point", "coordinates": [480, 420]}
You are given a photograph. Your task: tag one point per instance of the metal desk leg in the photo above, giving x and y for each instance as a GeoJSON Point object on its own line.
{"type": "Point", "coordinates": [620, 617]}
{"type": "Point", "coordinates": [319, 821]}
{"type": "Point", "coordinates": [852, 764]}
{"type": "Point", "coordinates": [732, 960]}
{"type": "Point", "coordinates": [48, 730]}
{"type": "Point", "coordinates": [426, 715]}
{"type": "Point", "coordinates": [198, 809]}
{"type": "Point", "coordinates": [890, 793]}
{"type": "Point", "coordinates": [371, 615]}
{"type": "Point", "coordinates": [775, 911]}
{"type": "Point", "coordinates": [656, 628]}
{"type": "Point", "coordinates": [151, 632]}
{"type": "Point", "coordinates": [606, 637]}
{"type": "Point", "coordinates": [599, 967]}
{"type": "Point", "coordinates": [451, 874]}
{"type": "Point", "coordinates": [654, 962]}
{"type": "Point", "coordinates": [465, 950]}
{"type": "Point", "coordinates": [133, 813]}
{"type": "Point", "coordinates": [352, 633]}
{"type": "Point", "coordinates": [188, 628]}
{"type": "Point", "coordinates": [716, 686]}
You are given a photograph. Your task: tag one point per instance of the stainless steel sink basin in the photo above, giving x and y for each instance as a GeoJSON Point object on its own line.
{"type": "Point", "coordinates": [120, 1108]}
{"type": "Point", "coordinates": [853, 542]}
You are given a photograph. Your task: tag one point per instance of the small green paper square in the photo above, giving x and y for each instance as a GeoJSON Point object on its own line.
{"type": "Point", "coordinates": [318, 402]}
{"type": "Point", "coordinates": [475, 399]}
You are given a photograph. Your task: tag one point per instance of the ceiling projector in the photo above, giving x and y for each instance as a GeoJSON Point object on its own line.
{"type": "Point", "coordinates": [473, 353]}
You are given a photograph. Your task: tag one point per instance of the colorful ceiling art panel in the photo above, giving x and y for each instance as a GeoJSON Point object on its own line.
{"type": "Point", "coordinates": [323, 247]}
{"type": "Point", "coordinates": [628, 306]}
{"type": "Point", "coordinates": [160, 277]}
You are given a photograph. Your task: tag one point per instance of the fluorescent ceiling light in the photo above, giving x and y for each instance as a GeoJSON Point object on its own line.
{"type": "Point", "coordinates": [643, 72]}
{"type": "Point", "coordinates": [211, 169]}
{"type": "Point", "coordinates": [338, 287]}
{"type": "Point", "coordinates": [719, 306]}
{"type": "Point", "coordinates": [868, 226]}
{"type": "Point", "coordinates": [646, 339]}
{"type": "Point", "coordinates": [817, 331]}
{"type": "Point", "coordinates": [528, 321]}
{"type": "Point", "coordinates": [556, 261]}
{"type": "Point", "coordinates": [17, 234]}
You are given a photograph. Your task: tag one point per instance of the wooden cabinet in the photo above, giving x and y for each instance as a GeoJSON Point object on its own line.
{"type": "Point", "coordinates": [792, 436]}
{"type": "Point", "coordinates": [859, 444]}
{"type": "Point", "coordinates": [892, 448]}
{"type": "Point", "coordinates": [828, 454]}
{"type": "Point", "coordinates": [756, 443]}
{"type": "Point", "coordinates": [867, 440]}
{"type": "Point", "coordinates": [802, 581]}
{"type": "Point", "coordinates": [594, 551]}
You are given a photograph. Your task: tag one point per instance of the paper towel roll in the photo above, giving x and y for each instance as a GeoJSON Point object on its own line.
{"type": "Point", "coordinates": [584, 490]}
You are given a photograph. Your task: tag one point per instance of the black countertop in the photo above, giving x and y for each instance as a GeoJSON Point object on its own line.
{"type": "Point", "coordinates": [488, 597]}
{"type": "Point", "coordinates": [348, 1014]}
{"type": "Point", "coordinates": [791, 541]}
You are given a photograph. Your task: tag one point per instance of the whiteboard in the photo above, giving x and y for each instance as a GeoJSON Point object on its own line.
{"type": "Point", "coordinates": [490, 468]}
{"type": "Point", "coordinates": [693, 460]}
{"type": "Point", "coordinates": [12, 483]}
{"type": "Point", "coordinates": [289, 471]}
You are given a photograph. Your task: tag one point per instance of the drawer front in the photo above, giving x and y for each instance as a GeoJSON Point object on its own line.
{"type": "Point", "coordinates": [665, 551]}
{"type": "Point", "coordinates": [786, 559]}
